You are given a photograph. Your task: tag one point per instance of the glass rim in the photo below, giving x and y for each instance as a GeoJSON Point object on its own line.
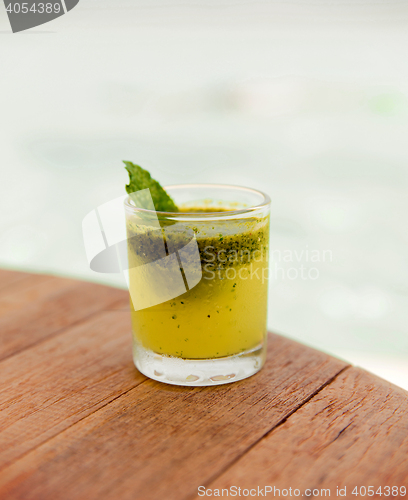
{"type": "Point", "coordinates": [226, 213]}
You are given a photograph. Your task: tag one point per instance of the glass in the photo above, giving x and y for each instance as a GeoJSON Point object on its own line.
{"type": "Point", "coordinates": [198, 283]}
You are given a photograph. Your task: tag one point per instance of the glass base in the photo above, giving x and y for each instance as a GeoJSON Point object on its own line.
{"type": "Point", "coordinates": [198, 372]}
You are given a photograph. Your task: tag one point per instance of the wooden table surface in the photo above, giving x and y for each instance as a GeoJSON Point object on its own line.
{"type": "Point", "coordinates": [78, 421]}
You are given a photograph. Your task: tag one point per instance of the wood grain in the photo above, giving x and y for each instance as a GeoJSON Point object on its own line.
{"type": "Point", "coordinates": [49, 307]}
{"type": "Point", "coordinates": [35, 287]}
{"type": "Point", "coordinates": [8, 278]}
{"type": "Point", "coordinates": [352, 433]}
{"type": "Point", "coordinates": [78, 421]}
{"type": "Point", "coordinates": [54, 384]}
{"type": "Point", "coordinates": [159, 441]}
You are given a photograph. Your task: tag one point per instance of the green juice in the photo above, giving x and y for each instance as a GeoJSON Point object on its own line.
{"type": "Point", "coordinates": [225, 313]}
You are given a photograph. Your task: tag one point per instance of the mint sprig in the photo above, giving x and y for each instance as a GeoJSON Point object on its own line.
{"type": "Point", "coordinates": [139, 178]}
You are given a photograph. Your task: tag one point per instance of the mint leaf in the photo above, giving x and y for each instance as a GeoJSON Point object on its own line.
{"type": "Point", "coordinates": [139, 178]}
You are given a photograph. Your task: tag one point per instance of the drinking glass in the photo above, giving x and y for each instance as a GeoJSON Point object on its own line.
{"type": "Point", "coordinates": [198, 282]}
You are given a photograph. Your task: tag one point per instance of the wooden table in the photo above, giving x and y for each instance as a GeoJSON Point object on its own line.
{"type": "Point", "coordinates": [78, 421]}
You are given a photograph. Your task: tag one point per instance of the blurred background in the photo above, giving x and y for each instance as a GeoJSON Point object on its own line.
{"type": "Point", "coordinates": [305, 100]}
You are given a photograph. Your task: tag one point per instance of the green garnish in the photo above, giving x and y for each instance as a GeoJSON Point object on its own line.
{"type": "Point", "coordinates": [139, 178]}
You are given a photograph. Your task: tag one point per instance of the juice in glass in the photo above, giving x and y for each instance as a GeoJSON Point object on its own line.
{"type": "Point", "coordinates": [214, 331]}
